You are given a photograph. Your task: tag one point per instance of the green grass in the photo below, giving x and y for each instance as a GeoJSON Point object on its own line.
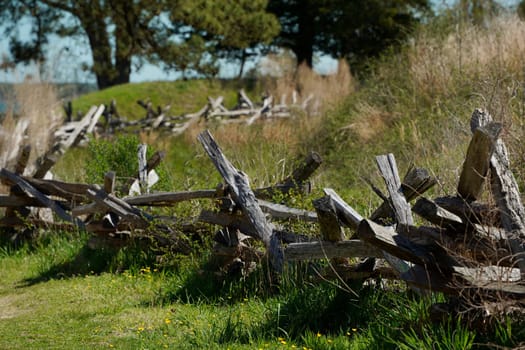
{"type": "Point", "coordinates": [58, 294]}
{"type": "Point", "coordinates": [183, 96]}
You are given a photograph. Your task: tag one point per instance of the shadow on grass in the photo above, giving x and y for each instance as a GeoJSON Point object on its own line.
{"type": "Point", "coordinates": [85, 260]}
{"type": "Point", "coordinates": [203, 284]}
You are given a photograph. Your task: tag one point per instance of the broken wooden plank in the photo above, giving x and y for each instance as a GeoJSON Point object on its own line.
{"type": "Point", "coordinates": [20, 166]}
{"type": "Point", "coordinates": [470, 212]}
{"type": "Point", "coordinates": [283, 212]}
{"type": "Point", "coordinates": [329, 225]}
{"type": "Point", "coordinates": [387, 239]}
{"type": "Point", "coordinates": [298, 180]}
{"type": "Point", "coordinates": [490, 280]}
{"type": "Point", "coordinates": [239, 222]}
{"type": "Point", "coordinates": [169, 198]}
{"type": "Point", "coordinates": [31, 191]}
{"type": "Point", "coordinates": [119, 207]}
{"type": "Point", "coordinates": [328, 222]}
{"type": "Point", "coordinates": [143, 168]}
{"type": "Point", "coordinates": [477, 161]}
{"type": "Point", "coordinates": [346, 213]}
{"type": "Point", "coordinates": [245, 198]}
{"type": "Point", "coordinates": [66, 190]}
{"type": "Point", "coordinates": [388, 168]}
{"type": "Point", "coordinates": [304, 171]}
{"type": "Point", "coordinates": [354, 248]}
{"type": "Point", "coordinates": [95, 119]}
{"type": "Point", "coordinates": [13, 201]}
{"type": "Point", "coordinates": [109, 181]}
{"type": "Point", "coordinates": [416, 182]}
{"type": "Point", "coordinates": [506, 192]}
{"type": "Point", "coordinates": [433, 213]}
{"type": "Point", "coordinates": [401, 208]}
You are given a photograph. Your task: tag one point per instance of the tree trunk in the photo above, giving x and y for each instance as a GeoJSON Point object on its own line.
{"type": "Point", "coordinates": [108, 71]}
{"type": "Point", "coordinates": [304, 46]}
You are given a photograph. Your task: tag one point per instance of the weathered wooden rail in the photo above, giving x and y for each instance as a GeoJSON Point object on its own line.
{"type": "Point", "coordinates": [465, 246]}
{"type": "Point", "coordinates": [160, 119]}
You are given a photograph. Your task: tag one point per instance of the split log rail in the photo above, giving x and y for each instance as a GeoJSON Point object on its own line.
{"type": "Point", "coordinates": [465, 246]}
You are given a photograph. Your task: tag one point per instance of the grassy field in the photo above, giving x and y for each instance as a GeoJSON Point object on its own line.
{"type": "Point", "coordinates": [59, 294]}
{"type": "Point", "coordinates": [56, 293]}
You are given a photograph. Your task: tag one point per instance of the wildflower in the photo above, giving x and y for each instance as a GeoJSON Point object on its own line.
{"type": "Point", "coordinates": [167, 321]}
{"type": "Point", "coordinates": [319, 334]}
{"type": "Point", "coordinates": [140, 329]}
{"type": "Point", "coordinates": [329, 340]}
{"type": "Point", "coordinates": [354, 329]}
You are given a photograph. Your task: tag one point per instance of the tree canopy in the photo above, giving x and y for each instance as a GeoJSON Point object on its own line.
{"type": "Point", "coordinates": [354, 29]}
{"type": "Point", "coordinates": [191, 35]}
{"type": "Point", "coordinates": [183, 34]}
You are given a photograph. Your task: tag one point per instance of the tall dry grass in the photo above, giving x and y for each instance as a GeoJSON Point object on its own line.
{"type": "Point", "coordinates": [269, 146]}
{"type": "Point", "coordinates": [32, 116]}
{"type": "Point", "coordinates": [474, 54]}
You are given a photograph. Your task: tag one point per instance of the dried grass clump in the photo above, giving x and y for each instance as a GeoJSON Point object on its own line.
{"type": "Point", "coordinates": [370, 122]}
{"type": "Point", "coordinates": [326, 91]}
{"type": "Point", "coordinates": [437, 64]}
{"type": "Point", "coordinates": [31, 119]}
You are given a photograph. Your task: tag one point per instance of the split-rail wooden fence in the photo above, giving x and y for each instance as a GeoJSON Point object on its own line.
{"type": "Point", "coordinates": [465, 246]}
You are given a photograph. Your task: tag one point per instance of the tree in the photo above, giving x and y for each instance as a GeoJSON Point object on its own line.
{"type": "Point", "coordinates": [355, 29]}
{"type": "Point", "coordinates": [161, 31]}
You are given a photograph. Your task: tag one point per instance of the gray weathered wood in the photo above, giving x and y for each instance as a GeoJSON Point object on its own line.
{"type": "Point", "coordinates": [168, 198]}
{"type": "Point", "coordinates": [477, 160]}
{"type": "Point", "coordinates": [282, 212]}
{"type": "Point", "coordinates": [387, 239]}
{"type": "Point", "coordinates": [329, 225]}
{"type": "Point", "coordinates": [42, 198]}
{"type": "Point", "coordinates": [469, 212]}
{"type": "Point", "coordinates": [388, 168]}
{"type": "Point", "coordinates": [416, 182]}
{"type": "Point", "coordinates": [20, 166]}
{"type": "Point", "coordinates": [432, 212]}
{"type": "Point", "coordinates": [304, 171]}
{"type": "Point", "coordinates": [244, 100]}
{"type": "Point", "coordinates": [245, 198]}
{"type": "Point", "coordinates": [346, 213]}
{"type": "Point", "coordinates": [506, 192]}
{"type": "Point", "coordinates": [143, 168]}
{"type": "Point", "coordinates": [109, 181]}
{"type": "Point", "coordinates": [95, 119]}
{"type": "Point", "coordinates": [327, 250]}
{"type": "Point", "coordinates": [239, 222]}
{"type": "Point", "coordinates": [119, 207]}
{"type": "Point", "coordinates": [328, 222]}
{"type": "Point", "coordinates": [12, 201]}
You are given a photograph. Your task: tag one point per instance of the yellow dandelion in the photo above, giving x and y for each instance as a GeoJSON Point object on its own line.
{"type": "Point", "coordinates": [140, 329]}
{"type": "Point", "coordinates": [319, 334]}
{"type": "Point", "coordinates": [354, 329]}
{"type": "Point", "coordinates": [167, 321]}
{"type": "Point", "coordinates": [283, 342]}
{"type": "Point", "coordinates": [329, 340]}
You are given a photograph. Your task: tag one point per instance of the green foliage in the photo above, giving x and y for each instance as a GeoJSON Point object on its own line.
{"type": "Point", "coordinates": [118, 155]}
{"type": "Point", "coordinates": [357, 30]}
{"type": "Point", "coordinates": [441, 337]}
{"type": "Point", "coordinates": [154, 30]}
